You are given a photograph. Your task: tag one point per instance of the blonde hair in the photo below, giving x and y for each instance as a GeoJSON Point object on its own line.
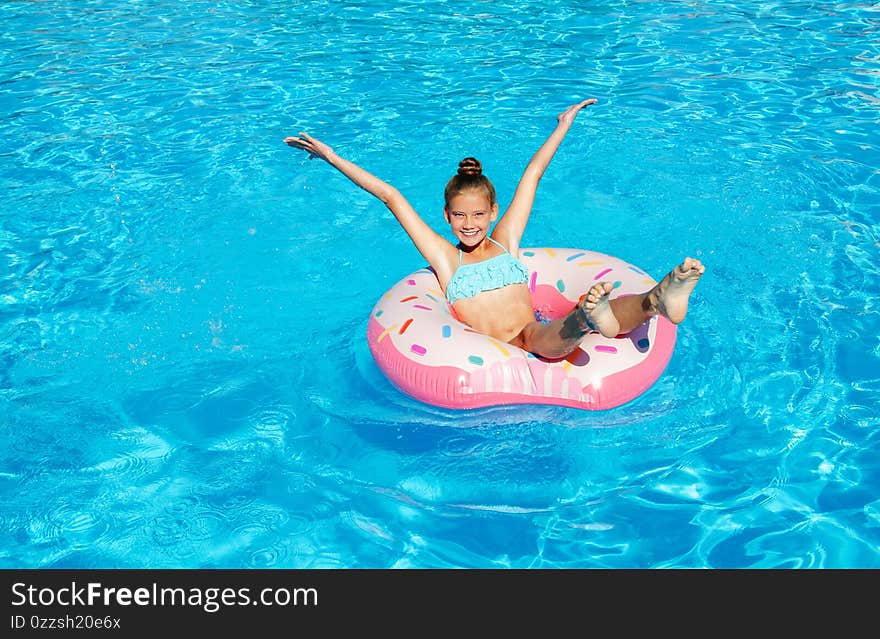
{"type": "Point", "coordinates": [469, 177]}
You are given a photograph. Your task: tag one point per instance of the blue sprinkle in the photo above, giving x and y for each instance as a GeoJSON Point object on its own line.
{"type": "Point", "coordinates": [379, 313]}
{"type": "Point", "coordinates": [447, 330]}
{"type": "Point", "coordinates": [560, 285]}
{"type": "Point", "coordinates": [574, 257]}
{"type": "Point", "coordinates": [473, 359]}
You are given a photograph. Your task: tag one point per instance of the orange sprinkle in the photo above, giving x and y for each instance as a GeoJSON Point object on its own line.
{"type": "Point", "coordinates": [410, 298]}
{"type": "Point", "coordinates": [405, 326]}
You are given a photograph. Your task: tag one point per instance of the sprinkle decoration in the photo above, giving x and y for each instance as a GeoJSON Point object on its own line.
{"type": "Point", "coordinates": [418, 350]}
{"type": "Point", "coordinates": [503, 350]}
{"type": "Point", "coordinates": [424, 308]}
{"type": "Point", "coordinates": [385, 333]}
{"type": "Point", "coordinates": [409, 299]}
{"type": "Point", "coordinates": [405, 326]}
{"type": "Point", "coordinates": [606, 349]}
{"type": "Point", "coordinates": [602, 273]}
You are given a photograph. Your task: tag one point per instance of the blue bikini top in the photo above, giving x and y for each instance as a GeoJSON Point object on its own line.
{"type": "Point", "coordinates": [496, 272]}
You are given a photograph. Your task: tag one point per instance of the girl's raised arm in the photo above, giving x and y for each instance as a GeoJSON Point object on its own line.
{"type": "Point", "coordinates": [512, 224]}
{"type": "Point", "coordinates": [433, 247]}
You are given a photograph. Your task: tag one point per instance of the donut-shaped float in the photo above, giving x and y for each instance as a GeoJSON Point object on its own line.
{"type": "Point", "coordinates": [426, 352]}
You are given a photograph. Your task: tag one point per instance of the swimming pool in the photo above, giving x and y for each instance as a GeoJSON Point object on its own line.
{"type": "Point", "coordinates": [184, 379]}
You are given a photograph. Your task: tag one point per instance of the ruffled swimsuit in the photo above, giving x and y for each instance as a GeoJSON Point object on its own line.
{"type": "Point", "coordinates": [496, 272]}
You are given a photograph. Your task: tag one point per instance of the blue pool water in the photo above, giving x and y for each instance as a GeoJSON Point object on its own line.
{"type": "Point", "coordinates": [184, 379]}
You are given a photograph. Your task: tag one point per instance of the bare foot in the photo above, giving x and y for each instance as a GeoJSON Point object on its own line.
{"type": "Point", "coordinates": [670, 297]}
{"type": "Point", "coordinates": [596, 313]}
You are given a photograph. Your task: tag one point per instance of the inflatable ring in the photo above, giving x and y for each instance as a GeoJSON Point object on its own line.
{"type": "Point", "coordinates": [426, 352]}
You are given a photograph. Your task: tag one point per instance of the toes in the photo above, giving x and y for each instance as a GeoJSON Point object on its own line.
{"type": "Point", "coordinates": [601, 289]}
{"type": "Point", "coordinates": [592, 297]}
{"type": "Point", "coordinates": [690, 267]}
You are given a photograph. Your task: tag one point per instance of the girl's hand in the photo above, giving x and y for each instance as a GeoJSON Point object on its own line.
{"type": "Point", "coordinates": [314, 147]}
{"type": "Point", "coordinates": [567, 116]}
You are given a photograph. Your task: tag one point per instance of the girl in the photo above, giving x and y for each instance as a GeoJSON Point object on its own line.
{"type": "Point", "coordinates": [481, 276]}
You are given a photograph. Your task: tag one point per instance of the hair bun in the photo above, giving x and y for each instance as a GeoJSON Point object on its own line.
{"type": "Point", "coordinates": [470, 166]}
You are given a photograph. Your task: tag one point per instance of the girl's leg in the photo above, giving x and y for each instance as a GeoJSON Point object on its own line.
{"type": "Point", "coordinates": [668, 298]}
{"type": "Point", "coordinates": [619, 316]}
{"type": "Point", "coordinates": [561, 336]}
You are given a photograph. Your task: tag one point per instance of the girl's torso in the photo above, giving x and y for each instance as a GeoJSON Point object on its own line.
{"type": "Point", "coordinates": [492, 295]}
{"type": "Point", "coordinates": [501, 313]}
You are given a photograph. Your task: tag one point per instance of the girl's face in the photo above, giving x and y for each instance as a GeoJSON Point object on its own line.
{"type": "Point", "coordinates": [470, 215]}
